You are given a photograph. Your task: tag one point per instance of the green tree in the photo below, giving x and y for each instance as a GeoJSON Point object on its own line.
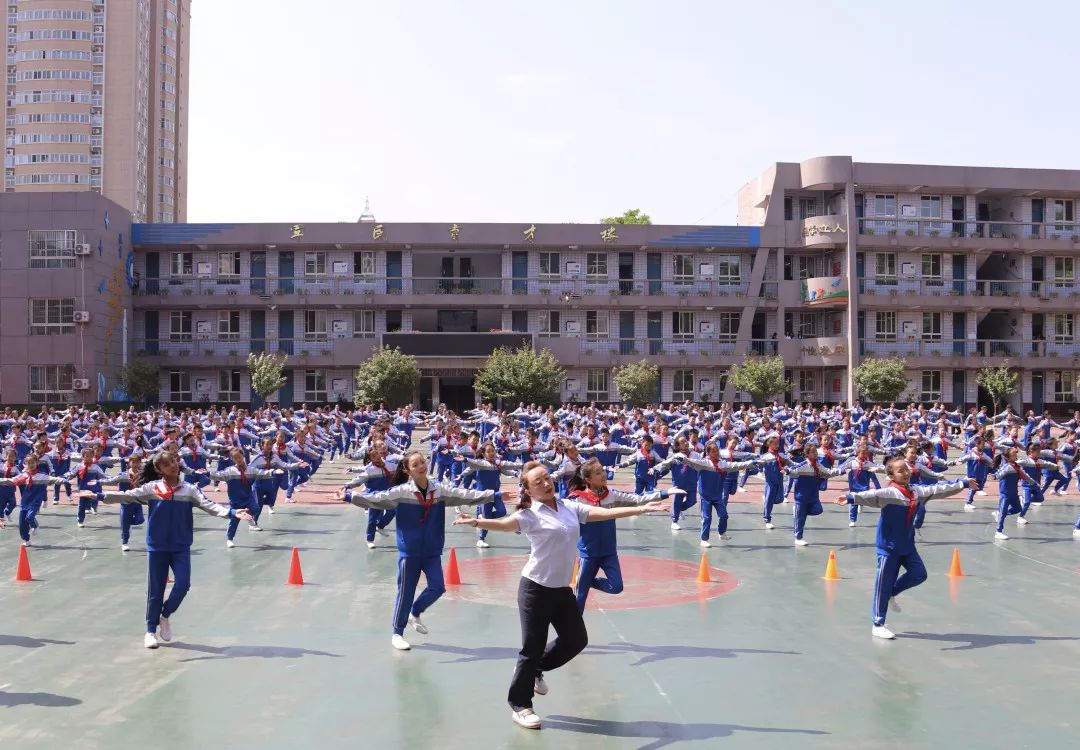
{"type": "Point", "coordinates": [636, 383]}
{"type": "Point", "coordinates": [140, 378]}
{"type": "Point", "coordinates": [388, 377]}
{"type": "Point", "coordinates": [999, 382]}
{"type": "Point", "coordinates": [881, 380]}
{"type": "Point", "coordinates": [521, 375]}
{"type": "Point", "coordinates": [632, 216]}
{"type": "Point", "coordinates": [760, 377]}
{"type": "Point", "coordinates": [267, 372]}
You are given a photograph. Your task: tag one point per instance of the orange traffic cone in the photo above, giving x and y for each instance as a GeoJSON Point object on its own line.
{"type": "Point", "coordinates": [954, 568]}
{"type": "Point", "coordinates": [452, 577]}
{"type": "Point", "coordinates": [703, 570]}
{"type": "Point", "coordinates": [296, 575]}
{"type": "Point", "coordinates": [831, 573]}
{"type": "Point", "coordinates": [573, 577]}
{"type": "Point", "coordinates": [22, 570]}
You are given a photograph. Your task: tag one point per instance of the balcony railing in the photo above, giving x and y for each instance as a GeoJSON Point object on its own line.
{"type": "Point", "coordinates": [969, 288]}
{"type": "Point", "coordinates": [971, 347]}
{"type": "Point", "coordinates": [191, 286]}
{"type": "Point", "coordinates": [218, 347]}
{"type": "Point", "coordinates": [695, 346]}
{"type": "Point", "coordinates": [938, 227]}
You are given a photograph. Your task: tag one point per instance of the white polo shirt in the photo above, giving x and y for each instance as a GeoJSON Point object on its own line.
{"type": "Point", "coordinates": [554, 537]}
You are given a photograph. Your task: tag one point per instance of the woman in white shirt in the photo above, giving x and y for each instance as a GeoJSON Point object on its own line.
{"type": "Point", "coordinates": [545, 598]}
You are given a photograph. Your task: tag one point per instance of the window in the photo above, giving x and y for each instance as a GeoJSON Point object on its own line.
{"type": "Point", "coordinates": [787, 208]}
{"type": "Point", "coordinates": [229, 325]}
{"type": "Point", "coordinates": [549, 323]}
{"type": "Point", "coordinates": [181, 264]}
{"type": "Point", "coordinates": [682, 387]}
{"type": "Point", "coordinates": [363, 324]}
{"type": "Point", "coordinates": [519, 321]}
{"type": "Point", "coordinates": [931, 266]}
{"type": "Point", "coordinates": [596, 266]}
{"type": "Point", "coordinates": [807, 384]}
{"type": "Point", "coordinates": [682, 327]}
{"type": "Point", "coordinates": [393, 321]}
{"type": "Point", "coordinates": [596, 325]}
{"type": "Point", "coordinates": [728, 269]}
{"type": "Point", "coordinates": [49, 383]}
{"type": "Point", "coordinates": [549, 265]}
{"type": "Point", "coordinates": [596, 385]}
{"type": "Point", "coordinates": [1064, 271]}
{"type": "Point", "coordinates": [315, 266]}
{"type": "Point", "coordinates": [179, 326]}
{"type": "Point", "coordinates": [1063, 328]}
{"type": "Point", "coordinates": [930, 207]}
{"type": "Point", "coordinates": [885, 326]}
{"type": "Point", "coordinates": [179, 386]}
{"type": "Point", "coordinates": [931, 326]}
{"type": "Point", "coordinates": [52, 249]}
{"type": "Point", "coordinates": [314, 385]}
{"type": "Point", "coordinates": [52, 317]}
{"type": "Point", "coordinates": [884, 205]}
{"type": "Point", "coordinates": [1063, 211]}
{"type": "Point", "coordinates": [1064, 386]}
{"type": "Point", "coordinates": [808, 208]}
{"type": "Point", "coordinates": [885, 267]}
{"type": "Point", "coordinates": [683, 269]}
{"type": "Point", "coordinates": [364, 263]}
{"type": "Point", "coordinates": [229, 385]}
{"type": "Point", "coordinates": [315, 325]}
{"type": "Point", "coordinates": [727, 326]}
{"type": "Point", "coordinates": [229, 266]}
{"type": "Point", "coordinates": [931, 385]}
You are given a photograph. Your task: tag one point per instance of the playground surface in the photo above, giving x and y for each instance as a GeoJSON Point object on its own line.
{"type": "Point", "coordinates": [766, 655]}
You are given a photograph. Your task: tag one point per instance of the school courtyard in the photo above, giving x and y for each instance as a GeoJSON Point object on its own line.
{"type": "Point", "coordinates": [766, 655]}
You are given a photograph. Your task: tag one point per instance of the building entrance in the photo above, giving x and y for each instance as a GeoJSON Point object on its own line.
{"type": "Point", "coordinates": [458, 394]}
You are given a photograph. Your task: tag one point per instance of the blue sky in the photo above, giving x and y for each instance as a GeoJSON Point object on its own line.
{"type": "Point", "coordinates": [455, 110]}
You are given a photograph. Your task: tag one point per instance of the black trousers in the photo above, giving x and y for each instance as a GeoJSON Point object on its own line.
{"type": "Point", "coordinates": [539, 607]}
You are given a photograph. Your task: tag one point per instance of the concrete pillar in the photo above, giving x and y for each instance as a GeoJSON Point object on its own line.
{"type": "Point", "coordinates": [853, 288]}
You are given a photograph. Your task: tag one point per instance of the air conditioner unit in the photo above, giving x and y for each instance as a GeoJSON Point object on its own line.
{"type": "Point", "coordinates": [82, 249]}
{"type": "Point", "coordinates": [81, 316]}
{"type": "Point", "coordinates": [81, 384]}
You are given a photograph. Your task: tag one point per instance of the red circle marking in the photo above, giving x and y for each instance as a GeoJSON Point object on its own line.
{"type": "Point", "coordinates": [647, 582]}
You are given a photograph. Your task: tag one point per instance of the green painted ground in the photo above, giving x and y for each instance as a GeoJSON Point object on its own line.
{"type": "Point", "coordinates": [786, 659]}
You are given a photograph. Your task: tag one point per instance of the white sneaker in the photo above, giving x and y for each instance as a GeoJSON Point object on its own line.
{"type": "Point", "coordinates": [705, 543]}
{"type": "Point", "coordinates": [27, 543]}
{"type": "Point", "coordinates": [371, 545]}
{"type": "Point", "coordinates": [969, 507]}
{"type": "Point", "coordinates": [1000, 535]}
{"type": "Point", "coordinates": [1021, 521]}
{"type": "Point", "coordinates": [880, 631]}
{"type": "Point", "coordinates": [851, 524]}
{"type": "Point", "coordinates": [743, 489]}
{"type": "Point", "coordinates": [418, 626]}
{"type": "Point", "coordinates": [399, 643]}
{"type": "Point", "coordinates": [801, 543]}
{"type": "Point", "coordinates": [539, 686]}
{"type": "Point", "coordinates": [894, 605]}
{"type": "Point", "coordinates": [164, 629]}
{"type": "Point", "coordinates": [482, 544]}
{"type": "Point", "coordinates": [1076, 533]}
{"type": "Point", "coordinates": [525, 717]}
{"type": "Point", "coordinates": [150, 641]}
{"type": "Point", "coordinates": [269, 510]}
{"type": "Point", "coordinates": [995, 514]}
{"type": "Point", "coordinates": [229, 544]}
{"type": "Point", "coordinates": [93, 511]}
{"type": "Point", "coordinates": [981, 493]}
{"type": "Point", "coordinates": [124, 548]}
{"type": "Point", "coordinates": [384, 532]}
{"type": "Point", "coordinates": [675, 526]}
{"type": "Point", "coordinates": [80, 524]}
{"type": "Point", "coordinates": [769, 525]}
{"type": "Point", "coordinates": [725, 537]}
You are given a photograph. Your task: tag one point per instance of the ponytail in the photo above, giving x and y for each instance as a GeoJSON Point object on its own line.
{"type": "Point", "coordinates": [401, 473]}
{"type": "Point", "coordinates": [524, 501]}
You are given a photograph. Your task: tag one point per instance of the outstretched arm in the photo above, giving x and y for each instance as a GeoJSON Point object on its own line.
{"type": "Point", "coordinates": [507, 523]}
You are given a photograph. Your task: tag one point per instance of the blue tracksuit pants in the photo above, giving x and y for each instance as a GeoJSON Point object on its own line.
{"type": "Point", "coordinates": [409, 570]}
{"type": "Point", "coordinates": [157, 576]}
{"type": "Point", "coordinates": [888, 585]}
{"type": "Point", "coordinates": [588, 567]}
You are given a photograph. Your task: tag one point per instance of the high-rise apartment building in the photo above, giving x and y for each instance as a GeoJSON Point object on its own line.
{"type": "Point", "coordinates": [97, 101]}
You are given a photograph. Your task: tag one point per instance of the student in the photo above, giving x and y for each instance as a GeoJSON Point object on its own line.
{"type": "Point", "coordinates": [860, 475]}
{"type": "Point", "coordinates": [808, 477]}
{"type": "Point", "coordinates": [88, 475]}
{"type": "Point", "coordinates": [712, 487]}
{"type": "Point", "coordinates": [8, 470]}
{"type": "Point", "coordinates": [239, 486]}
{"type": "Point", "coordinates": [896, 535]}
{"type": "Point", "coordinates": [1009, 474]}
{"type": "Point", "coordinates": [553, 527]}
{"type": "Point", "coordinates": [774, 463]}
{"type": "Point", "coordinates": [421, 535]}
{"type": "Point", "coordinates": [376, 475]}
{"type": "Point", "coordinates": [169, 534]}
{"type": "Point", "coordinates": [33, 484]}
{"type": "Point", "coordinates": [597, 546]}
{"type": "Point", "coordinates": [489, 471]}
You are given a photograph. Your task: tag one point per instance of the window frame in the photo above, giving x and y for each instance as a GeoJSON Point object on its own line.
{"type": "Point", "coordinates": [1064, 328]}
{"type": "Point", "coordinates": [930, 393]}
{"type": "Point", "coordinates": [229, 267]}
{"type": "Point", "coordinates": [932, 257]}
{"type": "Point", "coordinates": [177, 333]}
{"type": "Point", "coordinates": [186, 264]}
{"type": "Point", "coordinates": [886, 260]}
{"type": "Point", "coordinates": [60, 308]}
{"type": "Point", "coordinates": [312, 377]}
{"type": "Point", "coordinates": [728, 269]}
{"type": "Point", "coordinates": [365, 269]}
{"type": "Point", "coordinates": [181, 395]}
{"type": "Point", "coordinates": [550, 320]}
{"type": "Point", "coordinates": [682, 326]}
{"type": "Point", "coordinates": [312, 319]}
{"type": "Point", "coordinates": [594, 331]}
{"type": "Point", "coordinates": [60, 376]}
{"type": "Point", "coordinates": [682, 268]}
{"type": "Point", "coordinates": [51, 248]}
{"type": "Point", "coordinates": [545, 259]}
{"type": "Point", "coordinates": [1061, 395]}
{"type": "Point", "coordinates": [227, 379]}
{"type": "Point", "coordinates": [885, 335]}
{"type": "Point", "coordinates": [684, 393]}
{"type": "Point", "coordinates": [313, 259]}
{"type": "Point", "coordinates": [596, 267]}
{"type": "Point", "coordinates": [363, 331]}
{"type": "Point", "coordinates": [928, 332]}
{"type": "Point", "coordinates": [226, 329]}
{"type": "Point", "coordinates": [596, 394]}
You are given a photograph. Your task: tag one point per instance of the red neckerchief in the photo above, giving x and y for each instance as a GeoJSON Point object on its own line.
{"type": "Point", "coordinates": [813, 465]}
{"type": "Point", "coordinates": [1019, 472]}
{"type": "Point", "coordinates": [425, 502]}
{"type": "Point", "coordinates": [646, 454]}
{"type": "Point", "coordinates": [910, 496]}
{"type": "Point", "coordinates": [8, 468]}
{"type": "Point", "coordinates": [590, 497]}
{"type": "Point", "coordinates": [828, 454]}
{"type": "Point", "coordinates": [166, 493]}
{"type": "Point", "coordinates": [25, 478]}
{"type": "Point", "coordinates": [82, 470]}
{"type": "Point", "coordinates": [716, 465]}
{"type": "Point", "coordinates": [779, 460]}
{"type": "Point", "coordinates": [281, 448]}
{"type": "Point", "coordinates": [382, 465]}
